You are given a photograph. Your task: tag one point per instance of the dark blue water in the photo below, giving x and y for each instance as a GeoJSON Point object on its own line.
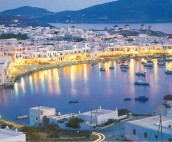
{"type": "Point", "coordinates": [92, 88]}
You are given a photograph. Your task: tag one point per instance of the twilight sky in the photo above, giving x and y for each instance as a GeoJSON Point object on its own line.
{"type": "Point", "coordinates": [52, 5]}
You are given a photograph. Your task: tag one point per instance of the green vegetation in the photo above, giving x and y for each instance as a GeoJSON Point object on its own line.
{"type": "Point", "coordinates": [17, 36]}
{"type": "Point", "coordinates": [74, 122]}
{"type": "Point", "coordinates": [109, 122]}
{"type": "Point", "coordinates": [123, 112]}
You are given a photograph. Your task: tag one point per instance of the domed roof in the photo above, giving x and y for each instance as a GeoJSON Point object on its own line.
{"type": "Point", "coordinates": [168, 97]}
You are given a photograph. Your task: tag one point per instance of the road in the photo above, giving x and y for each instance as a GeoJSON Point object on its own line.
{"type": "Point", "coordinates": [101, 137]}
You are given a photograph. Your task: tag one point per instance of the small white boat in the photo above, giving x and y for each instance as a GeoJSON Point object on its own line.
{"type": "Point", "coordinates": [22, 117]}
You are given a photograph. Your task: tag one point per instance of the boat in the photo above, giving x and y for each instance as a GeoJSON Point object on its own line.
{"type": "Point", "coordinates": [161, 64]}
{"type": "Point", "coordinates": [149, 65]}
{"type": "Point", "coordinates": [92, 64]}
{"type": "Point", "coordinates": [140, 73]}
{"type": "Point", "coordinates": [143, 63]}
{"type": "Point", "coordinates": [141, 82]}
{"type": "Point", "coordinates": [123, 69]}
{"type": "Point", "coordinates": [127, 99]}
{"type": "Point", "coordinates": [72, 102]}
{"type": "Point", "coordinates": [168, 59]}
{"type": "Point", "coordinates": [142, 99]}
{"type": "Point", "coordinates": [149, 61]}
{"type": "Point", "coordinates": [111, 67]}
{"type": "Point", "coordinates": [102, 69]}
{"type": "Point", "coordinates": [22, 117]}
{"type": "Point", "coordinates": [124, 66]}
{"type": "Point", "coordinates": [168, 71]}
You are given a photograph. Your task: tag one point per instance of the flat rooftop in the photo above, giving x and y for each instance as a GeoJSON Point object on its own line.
{"type": "Point", "coordinates": [7, 133]}
{"type": "Point", "coordinates": [60, 117]}
{"type": "Point", "coordinates": [42, 108]}
{"type": "Point", "coordinates": [98, 112]}
{"type": "Point", "coordinates": [153, 123]}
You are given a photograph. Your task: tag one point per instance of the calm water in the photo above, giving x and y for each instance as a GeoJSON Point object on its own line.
{"type": "Point", "coordinates": [164, 27]}
{"type": "Point", "coordinates": [92, 88]}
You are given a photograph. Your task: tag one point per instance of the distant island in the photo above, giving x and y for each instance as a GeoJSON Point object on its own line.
{"type": "Point", "coordinates": [120, 11]}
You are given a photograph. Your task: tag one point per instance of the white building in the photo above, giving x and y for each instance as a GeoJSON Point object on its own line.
{"type": "Point", "coordinates": [166, 107]}
{"type": "Point", "coordinates": [8, 135]}
{"type": "Point", "coordinates": [38, 113]}
{"type": "Point", "coordinates": [147, 129]}
{"type": "Point", "coordinates": [98, 116]}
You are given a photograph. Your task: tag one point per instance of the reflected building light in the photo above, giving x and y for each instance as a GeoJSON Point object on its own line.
{"type": "Point", "coordinates": [85, 73]}
{"type": "Point", "coordinates": [156, 70]}
{"type": "Point", "coordinates": [50, 82]}
{"type": "Point", "coordinates": [56, 81]}
{"type": "Point", "coordinates": [31, 84]}
{"type": "Point", "coordinates": [23, 85]}
{"type": "Point", "coordinates": [72, 77]}
{"type": "Point", "coordinates": [35, 76]}
{"type": "Point", "coordinates": [16, 89]}
{"type": "Point", "coordinates": [132, 71]}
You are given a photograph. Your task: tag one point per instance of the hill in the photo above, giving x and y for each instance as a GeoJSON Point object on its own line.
{"type": "Point", "coordinates": [26, 11]}
{"type": "Point", "coordinates": [18, 21]}
{"type": "Point", "coordinates": [121, 11]}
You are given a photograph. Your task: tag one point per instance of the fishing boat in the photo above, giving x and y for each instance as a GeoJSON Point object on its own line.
{"type": "Point", "coordinates": [142, 99]}
{"type": "Point", "coordinates": [22, 117]}
{"type": "Point", "coordinates": [72, 102]}
{"type": "Point", "coordinates": [141, 82]}
{"type": "Point", "coordinates": [140, 73]}
{"type": "Point", "coordinates": [127, 99]}
{"type": "Point", "coordinates": [168, 71]}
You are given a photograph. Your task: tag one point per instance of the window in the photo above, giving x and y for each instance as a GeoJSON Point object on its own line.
{"type": "Point", "coordinates": [169, 126]}
{"type": "Point", "coordinates": [134, 131]}
{"type": "Point", "coordinates": [145, 135]}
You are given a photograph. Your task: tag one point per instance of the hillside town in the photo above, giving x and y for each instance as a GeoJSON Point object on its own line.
{"type": "Point", "coordinates": [45, 45]}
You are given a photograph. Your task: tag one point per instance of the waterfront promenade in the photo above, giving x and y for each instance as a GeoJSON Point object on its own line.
{"type": "Point", "coordinates": [28, 69]}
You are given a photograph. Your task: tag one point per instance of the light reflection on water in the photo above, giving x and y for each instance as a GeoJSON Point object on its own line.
{"type": "Point", "coordinates": [55, 87]}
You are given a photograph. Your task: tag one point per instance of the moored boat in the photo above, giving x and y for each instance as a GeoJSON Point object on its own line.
{"type": "Point", "coordinates": [127, 99]}
{"type": "Point", "coordinates": [168, 71]}
{"type": "Point", "coordinates": [142, 99]}
{"type": "Point", "coordinates": [72, 102]}
{"type": "Point", "coordinates": [141, 82]}
{"type": "Point", "coordinates": [22, 117]}
{"type": "Point", "coordinates": [140, 73]}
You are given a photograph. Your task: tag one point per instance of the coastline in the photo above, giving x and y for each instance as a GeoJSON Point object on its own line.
{"type": "Point", "coordinates": [40, 67]}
